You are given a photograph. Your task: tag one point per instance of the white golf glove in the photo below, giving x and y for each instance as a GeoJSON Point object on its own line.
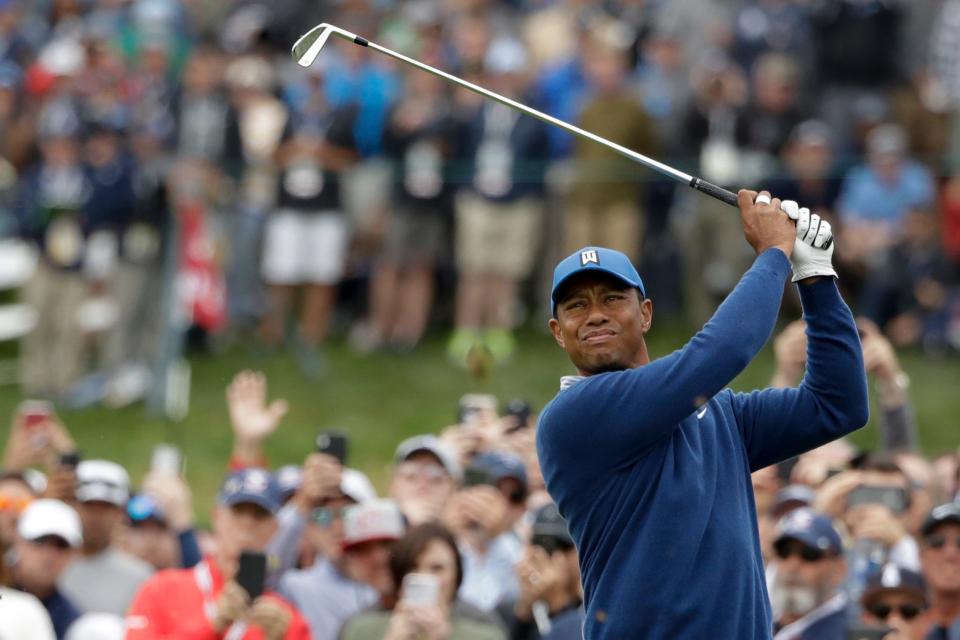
{"type": "Point", "coordinates": [810, 258]}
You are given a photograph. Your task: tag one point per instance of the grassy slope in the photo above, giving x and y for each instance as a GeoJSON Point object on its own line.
{"type": "Point", "coordinates": [383, 398]}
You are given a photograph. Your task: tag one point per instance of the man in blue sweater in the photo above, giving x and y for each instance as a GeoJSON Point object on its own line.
{"type": "Point", "coordinates": [650, 461]}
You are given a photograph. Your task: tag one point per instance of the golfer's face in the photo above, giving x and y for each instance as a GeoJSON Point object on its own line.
{"type": "Point", "coordinates": [600, 323]}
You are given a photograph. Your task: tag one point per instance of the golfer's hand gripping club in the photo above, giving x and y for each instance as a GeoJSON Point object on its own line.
{"type": "Point", "coordinates": [813, 248]}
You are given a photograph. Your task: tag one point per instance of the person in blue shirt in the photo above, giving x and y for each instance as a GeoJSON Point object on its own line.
{"type": "Point", "coordinates": [649, 460]}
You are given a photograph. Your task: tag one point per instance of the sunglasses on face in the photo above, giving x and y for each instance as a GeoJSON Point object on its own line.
{"type": "Point", "coordinates": [939, 541]}
{"type": "Point", "coordinates": [808, 554]}
{"type": "Point", "coordinates": [882, 611]}
{"type": "Point", "coordinates": [324, 516]}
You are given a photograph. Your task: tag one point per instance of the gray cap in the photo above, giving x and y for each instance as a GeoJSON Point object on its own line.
{"type": "Point", "coordinates": [434, 445]}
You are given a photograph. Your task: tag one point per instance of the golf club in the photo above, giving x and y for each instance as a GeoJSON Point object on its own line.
{"type": "Point", "coordinates": [308, 47]}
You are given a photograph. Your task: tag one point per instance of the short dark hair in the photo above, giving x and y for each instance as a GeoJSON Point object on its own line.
{"type": "Point", "coordinates": [408, 549]}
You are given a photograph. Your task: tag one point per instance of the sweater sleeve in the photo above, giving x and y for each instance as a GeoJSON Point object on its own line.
{"type": "Point", "coordinates": [830, 402]}
{"type": "Point", "coordinates": [623, 413]}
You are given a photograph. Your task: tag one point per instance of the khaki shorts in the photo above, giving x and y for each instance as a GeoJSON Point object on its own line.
{"type": "Point", "coordinates": [617, 226]}
{"type": "Point", "coordinates": [495, 238]}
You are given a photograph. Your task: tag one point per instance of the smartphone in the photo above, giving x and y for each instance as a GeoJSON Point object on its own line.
{"type": "Point", "coordinates": [71, 459]}
{"type": "Point", "coordinates": [861, 632]}
{"type": "Point", "coordinates": [333, 443]}
{"type": "Point", "coordinates": [896, 498]}
{"type": "Point", "coordinates": [252, 573]}
{"type": "Point", "coordinates": [474, 477]}
{"type": "Point", "coordinates": [421, 589]}
{"type": "Point", "coordinates": [35, 412]}
{"type": "Point", "coordinates": [517, 415]}
{"type": "Point", "coordinates": [477, 407]}
{"type": "Point", "coordinates": [166, 460]}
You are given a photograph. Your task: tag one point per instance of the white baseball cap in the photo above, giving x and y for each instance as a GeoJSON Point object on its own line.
{"type": "Point", "coordinates": [103, 481]}
{"type": "Point", "coordinates": [356, 486]}
{"type": "Point", "coordinates": [50, 518]}
{"type": "Point", "coordinates": [372, 520]}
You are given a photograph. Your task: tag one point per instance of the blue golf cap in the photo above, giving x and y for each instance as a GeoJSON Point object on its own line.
{"type": "Point", "coordinates": [811, 528]}
{"type": "Point", "coordinates": [595, 259]}
{"type": "Point", "coordinates": [253, 486]}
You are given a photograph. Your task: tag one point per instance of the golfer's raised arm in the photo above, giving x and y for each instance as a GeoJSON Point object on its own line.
{"type": "Point", "coordinates": [639, 406]}
{"type": "Point", "coordinates": [830, 402]}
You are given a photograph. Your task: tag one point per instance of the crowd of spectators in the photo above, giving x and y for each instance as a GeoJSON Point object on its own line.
{"type": "Point", "coordinates": [463, 542]}
{"type": "Point", "coordinates": [175, 169]}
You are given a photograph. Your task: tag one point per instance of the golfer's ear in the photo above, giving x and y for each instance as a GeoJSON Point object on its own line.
{"type": "Point", "coordinates": [554, 325]}
{"type": "Point", "coordinates": [646, 310]}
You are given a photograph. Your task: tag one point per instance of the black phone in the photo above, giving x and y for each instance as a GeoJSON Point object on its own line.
{"type": "Point", "coordinates": [862, 632]}
{"type": "Point", "coordinates": [71, 459]}
{"type": "Point", "coordinates": [473, 477]}
{"type": "Point", "coordinates": [252, 573]}
{"type": "Point", "coordinates": [332, 443]}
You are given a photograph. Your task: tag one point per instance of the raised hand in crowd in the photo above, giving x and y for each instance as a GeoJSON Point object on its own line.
{"type": "Point", "coordinates": [232, 605]}
{"type": "Point", "coordinates": [272, 617]}
{"type": "Point", "coordinates": [832, 496]}
{"type": "Point", "coordinates": [479, 509]}
{"type": "Point", "coordinates": [252, 419]}
{"type": "Point", "coordinates": [322, 474]}
{"type": "Point", "coordinates": [174, 498]}
{"type": "Point", "coordinates": [36, 440]}
{"type": "Point", "coordinates": [876, 522]}
{"type": "Point", "coordinates": [538, 576]}
{"type": "Point", "coordinates": [880, 360]}
{"type": "Point", "coordinates": [416, 622]}
{"type": "Point", "coordinates": [790, 354]}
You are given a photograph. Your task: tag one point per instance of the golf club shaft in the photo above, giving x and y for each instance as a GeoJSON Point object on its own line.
{"type": "Point", "coordinates": [697, 183]}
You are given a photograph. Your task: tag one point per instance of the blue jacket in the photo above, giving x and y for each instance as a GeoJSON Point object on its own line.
{"type": "Point", "coordinates": [651, 466]}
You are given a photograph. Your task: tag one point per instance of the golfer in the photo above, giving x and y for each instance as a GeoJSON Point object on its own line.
{"type": "Point", "coordinates": [650, 460]}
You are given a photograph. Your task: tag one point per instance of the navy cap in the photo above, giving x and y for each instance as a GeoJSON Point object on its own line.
{"type": "Point", "coordinates": [252, 486]}
{"type": "Point", "coordinates": [947, 512]}
{"type": "Point", "coordinates": [810, 527]}
{"type": "Point", "coordinates": [500, 465]}
{"type": "Point", "coordinates": [891, 577]}
{"type": "Point", "coordinates": [288, 478]}
{"type": "Point", "coordinates": [597, 259]}
{"type": "Point", "coordinates": [547, 521]}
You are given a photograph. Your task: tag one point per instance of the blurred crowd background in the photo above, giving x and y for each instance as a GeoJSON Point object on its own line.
{"type": "Point", "coordinates": [179, 180]}
{"type": "Point", "coordinates": [172, 183]}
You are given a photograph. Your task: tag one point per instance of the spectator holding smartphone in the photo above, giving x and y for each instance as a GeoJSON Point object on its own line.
{"type": "Point", "coordinates": [208, 600]}
{"type": "Point", "coordinates": [483, 516]}
{"type": "Point", "coordinates": [940, 555]}
{"type": "Point", "coordinates": [427, 571]}
{"type": "Point", "coordinates": [551, 598]}
{"type": "Point", "coordinates": [349, 570]}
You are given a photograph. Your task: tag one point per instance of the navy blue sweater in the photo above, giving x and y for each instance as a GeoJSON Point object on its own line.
{"type": "Point", "coordinates": [651, 466]}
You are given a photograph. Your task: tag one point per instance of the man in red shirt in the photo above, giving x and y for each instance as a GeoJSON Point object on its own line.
{"type": "Point", "coordinates": [205, 602]}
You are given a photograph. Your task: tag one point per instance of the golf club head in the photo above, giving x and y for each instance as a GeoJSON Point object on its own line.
{"type": "Point", "coordinates": [307, 48]}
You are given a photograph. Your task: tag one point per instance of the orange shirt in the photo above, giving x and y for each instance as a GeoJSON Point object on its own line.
{"type": "Point", "coordinates": [180, 604]}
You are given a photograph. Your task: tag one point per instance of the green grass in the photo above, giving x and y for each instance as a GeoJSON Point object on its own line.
{"type": "Point", "coordinates": [381, 399]}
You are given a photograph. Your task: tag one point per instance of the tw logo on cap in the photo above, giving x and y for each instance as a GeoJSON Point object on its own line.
{"type": "Point", "coordinates": [589, 256]}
